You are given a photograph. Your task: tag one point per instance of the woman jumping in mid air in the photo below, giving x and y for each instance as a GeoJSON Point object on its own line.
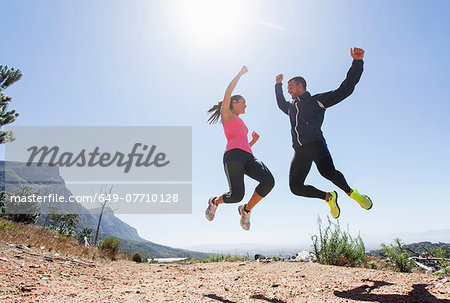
{"type": "Point", "coordinates": [238, 158]}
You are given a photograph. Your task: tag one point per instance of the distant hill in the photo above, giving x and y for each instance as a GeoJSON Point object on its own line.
{"type": "Point", "coordinates": [420, 248]}
{"type": "Point", "coordinates": [51, 182]}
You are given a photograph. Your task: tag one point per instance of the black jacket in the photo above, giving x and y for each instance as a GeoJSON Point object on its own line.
{"type": "Point", "coordinates": [306, 112]}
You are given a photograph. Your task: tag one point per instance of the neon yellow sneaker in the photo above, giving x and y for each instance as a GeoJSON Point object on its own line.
{"type": "Point", "coordinates": [363, 200]}
{"type": "Point", "coordinates": [334, 207]}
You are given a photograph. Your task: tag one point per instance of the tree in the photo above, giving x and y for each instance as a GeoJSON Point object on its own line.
{"type": "Point", "coordinates": [64, 224]}
{"type": "Point", "coordinates": [103, 199]}
{"type": "Point", "coordinates": [7, 77]}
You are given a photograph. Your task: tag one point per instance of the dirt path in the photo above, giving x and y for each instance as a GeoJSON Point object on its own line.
{"type": "Point", "coordinates": [34, 276]}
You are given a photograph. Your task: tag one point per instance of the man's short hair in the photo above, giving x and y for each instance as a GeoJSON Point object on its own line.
{"type": "Point", "coordinates": [299, 80]}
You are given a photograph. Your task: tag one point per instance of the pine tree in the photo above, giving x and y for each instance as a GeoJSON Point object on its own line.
{"type": "Point", "coordinates": [7, 77]}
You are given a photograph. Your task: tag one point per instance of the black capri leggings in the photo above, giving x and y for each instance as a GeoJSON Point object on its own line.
{"type": "Point", "coordinates": [236, 163]}
{"type": "Point", "coordinates": [304, 156]}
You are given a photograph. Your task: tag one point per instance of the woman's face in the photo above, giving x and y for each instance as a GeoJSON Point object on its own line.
{"type": "Point", "coordinates": [239, 106]}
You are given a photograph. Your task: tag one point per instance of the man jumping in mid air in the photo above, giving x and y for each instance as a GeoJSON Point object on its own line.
{"type": "Point", "coordinates": [306, 114]}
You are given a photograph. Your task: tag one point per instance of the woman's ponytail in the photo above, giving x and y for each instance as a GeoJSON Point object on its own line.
{"type": "Point", "coordinates": [214, 113]}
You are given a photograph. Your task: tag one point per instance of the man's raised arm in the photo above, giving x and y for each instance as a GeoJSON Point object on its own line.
{"type": "Point", "coordinates": [348, 85]}
{"type": "Point", "coordinates": [282, 103]}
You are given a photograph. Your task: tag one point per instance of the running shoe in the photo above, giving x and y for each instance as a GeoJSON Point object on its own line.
{"type": "Point", "coordinates": [211, 210]}
{"type": "Point", "coordinates": [245, 217]}
{"type": "Point", "coordinates": [334, 207]}
{"type": "Point", "coordinates": [363, 200]}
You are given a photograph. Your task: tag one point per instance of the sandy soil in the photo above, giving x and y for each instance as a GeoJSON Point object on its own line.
{"type": "Point", "coordinates": [36, 276]}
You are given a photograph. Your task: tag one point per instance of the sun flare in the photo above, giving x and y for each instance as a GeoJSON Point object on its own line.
{"type": "Point", "coordinates": [210, 24]}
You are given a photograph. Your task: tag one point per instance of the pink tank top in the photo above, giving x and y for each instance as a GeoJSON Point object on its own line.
{"type": "Point", "coordinates": [236, 133]}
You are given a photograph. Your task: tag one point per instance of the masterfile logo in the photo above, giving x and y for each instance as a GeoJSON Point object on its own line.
{"type": "Point", "coordinates": [67, 159]}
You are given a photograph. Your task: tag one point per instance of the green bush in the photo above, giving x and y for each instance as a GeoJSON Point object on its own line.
{"type": "Point", "coordinates": [6, 226]}
{"type": "Point", "coordinates": [215, 258]}
{"type": "Point", "coordinates": [336, 247]}
{"type": "Point", "coordinates": [445, 265]}
{"type": "Point", "coordinates": [110, 246]}
{"type": "Point", "coordinates": [223, 258]}
{"type": "Point", "coordinates": [137, 257]}
{"type": "Point", "coordinates": [397, 257]}
{"type": "Point", "coordinates": [372, 265]}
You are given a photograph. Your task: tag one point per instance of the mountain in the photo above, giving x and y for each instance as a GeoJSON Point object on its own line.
{"type": "Point", "coordinates": [51, 182]}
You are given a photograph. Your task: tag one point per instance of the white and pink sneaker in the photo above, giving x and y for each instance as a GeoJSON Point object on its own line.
{"type": "Point", "coordinates": [245, 217]}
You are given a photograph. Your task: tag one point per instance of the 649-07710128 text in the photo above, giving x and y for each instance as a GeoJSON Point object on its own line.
{"type": "Point", "coordinates": [128, 197]}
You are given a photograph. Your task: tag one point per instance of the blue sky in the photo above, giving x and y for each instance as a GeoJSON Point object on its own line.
{"type": "Point", "coordinates": [167, 62]}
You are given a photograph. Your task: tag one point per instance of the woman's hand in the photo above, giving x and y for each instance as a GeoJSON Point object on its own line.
{"type": "Point", "coordinates": [255, 138]}
{"type": "Point", "coordinates": [243, 70]}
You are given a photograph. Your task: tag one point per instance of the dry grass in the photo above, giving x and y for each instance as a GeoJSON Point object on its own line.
{"type": "Point", "coordinates": [37, 237]}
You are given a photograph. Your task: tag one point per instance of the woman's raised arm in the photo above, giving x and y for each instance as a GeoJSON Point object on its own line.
{"type": "Point", "coordinates": [225, 113]}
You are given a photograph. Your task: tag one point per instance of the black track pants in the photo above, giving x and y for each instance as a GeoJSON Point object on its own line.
{"type": "Point", "coordinates": [304, 156]}
{"type": "Point", "coordinates": [237, 163]}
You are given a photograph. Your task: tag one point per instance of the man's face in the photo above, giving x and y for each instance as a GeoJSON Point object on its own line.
{"type": "Point", "coordinates": [295, 90]}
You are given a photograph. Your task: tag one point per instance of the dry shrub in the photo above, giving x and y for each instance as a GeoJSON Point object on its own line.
{"type": "Point", "coordinates": [35, 236]}
{"type": "Point", "coordinates": [109, 247]}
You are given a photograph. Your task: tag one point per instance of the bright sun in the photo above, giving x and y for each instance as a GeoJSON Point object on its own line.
{"type": "Point", "coordinates": [210, 24]}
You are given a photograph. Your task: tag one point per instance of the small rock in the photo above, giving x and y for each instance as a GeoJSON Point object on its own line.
{"type": "Point", "coordinates": [226, 288]}
{"type": "Point", "coordinates": [438, 285]}
{"type": "Point", "coordinates": [275, 285]}
{"type": "Point", "coordinates": [27, 288]}
{"type": "Point", "coordinates": [21, 246]}
{"type": "Point", "coordinates": [3, 259]}
{"type": "Point", "coordinates": [444, 280]}
{"type": "Point", "coordinates": [35, 266]}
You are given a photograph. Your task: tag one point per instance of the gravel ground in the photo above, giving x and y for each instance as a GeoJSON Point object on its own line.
{"type": "Point", "coordinates": [35, 276]}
